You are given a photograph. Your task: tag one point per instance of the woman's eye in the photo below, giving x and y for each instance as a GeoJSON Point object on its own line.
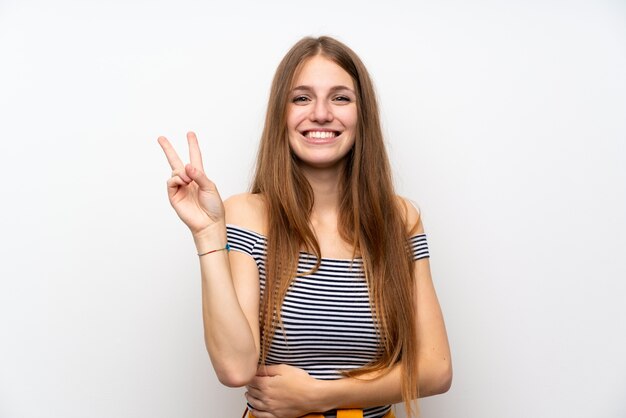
{"type": "Point", "coordinates": [342, 99]}
{"type": "Point", "coordinates": [300, 99]}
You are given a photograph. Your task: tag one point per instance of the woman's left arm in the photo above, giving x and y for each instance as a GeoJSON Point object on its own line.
{"type": "Point", "coordinates": [284, 391]}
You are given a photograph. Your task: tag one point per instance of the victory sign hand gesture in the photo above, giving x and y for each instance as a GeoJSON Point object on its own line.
{"type": "Point", "coordinates": [193, 196]}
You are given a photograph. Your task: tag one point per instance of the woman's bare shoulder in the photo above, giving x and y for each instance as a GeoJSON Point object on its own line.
{"type": "Point", "coordinates": [411, 215]}
{"type": "Point", "coordinates": [247, 210]}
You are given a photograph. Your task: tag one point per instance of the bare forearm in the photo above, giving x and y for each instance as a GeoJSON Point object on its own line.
{"type": "Point", "coordinates": [361, 392]}
{"type": "Point", "coordinates": [370, 391]}
{"type": "Point", "coordinates": [227, 333]}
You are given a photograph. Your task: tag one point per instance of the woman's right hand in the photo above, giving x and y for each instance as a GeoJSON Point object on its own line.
{"type": "Point", "coordinates": [193, 196]}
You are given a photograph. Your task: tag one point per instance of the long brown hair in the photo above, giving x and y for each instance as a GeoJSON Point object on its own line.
{"type": "Point", "coordinates": [371, 218]}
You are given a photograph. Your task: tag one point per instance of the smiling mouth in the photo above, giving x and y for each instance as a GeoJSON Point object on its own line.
{"type": "Point", "coordinates": [321, 134]}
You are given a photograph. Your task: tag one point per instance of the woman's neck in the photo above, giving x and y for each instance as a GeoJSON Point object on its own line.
{"type": "Point", "coordinates": [326, 187]}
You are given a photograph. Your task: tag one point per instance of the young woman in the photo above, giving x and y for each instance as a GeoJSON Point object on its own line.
{"type": "Point", "coordinates": [316, 288]}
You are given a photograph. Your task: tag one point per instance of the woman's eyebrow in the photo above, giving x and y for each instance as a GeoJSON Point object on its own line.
{"type": "Point", "coordinates": [341, 88]}
{"type": "Point", "coordinates": [332, 89]}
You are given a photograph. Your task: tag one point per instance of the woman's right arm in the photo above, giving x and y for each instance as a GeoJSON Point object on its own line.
{"type": "Point", "coordinates": [230, 289]}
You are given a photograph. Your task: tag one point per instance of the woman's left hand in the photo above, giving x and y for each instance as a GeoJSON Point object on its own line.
{"type": "Point", "coordinates": [282, 391]}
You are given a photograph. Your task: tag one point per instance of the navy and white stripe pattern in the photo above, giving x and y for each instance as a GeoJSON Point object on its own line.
{"type": "Point", "coordinates": [327, 317]}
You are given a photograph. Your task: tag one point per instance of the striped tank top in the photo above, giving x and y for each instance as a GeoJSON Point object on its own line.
{"type": "Point", "coordinates": [327, 317]}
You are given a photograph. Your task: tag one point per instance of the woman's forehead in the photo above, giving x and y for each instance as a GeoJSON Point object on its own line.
{"type": "Point", "coordinates": [321, 72]}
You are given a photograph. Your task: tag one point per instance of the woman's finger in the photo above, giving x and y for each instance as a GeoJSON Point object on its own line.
{"type": "Point", "coordinates": [254, 402]}
{"type": "Point", "coordinates": [254, 392]}
{"type": "Point", "coordinates": [195, 157]}
{"type": "Point", "coordinates": [182, 174]}
{"type": "Point", "coordinates": [173, 184]}
{"type": "Point", "coordinates": [265, 370]}
{"type": "Point", "coordinates": [175, 162]}
{"type": "Point", "coordinates": [200, 178]}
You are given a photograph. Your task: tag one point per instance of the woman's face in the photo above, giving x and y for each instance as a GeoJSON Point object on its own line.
{"type": "Point", "coordinates": [322, 113]}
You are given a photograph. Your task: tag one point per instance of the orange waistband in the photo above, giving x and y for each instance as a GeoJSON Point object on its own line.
{"type": "Point", "coordinates": [342, 413]}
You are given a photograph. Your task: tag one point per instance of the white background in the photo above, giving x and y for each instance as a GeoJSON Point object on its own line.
{"type": "Point", "coordinates": [506, 123]}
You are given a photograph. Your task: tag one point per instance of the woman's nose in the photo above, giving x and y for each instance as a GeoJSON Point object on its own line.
{"type": "Point", "coordinates": [321, 112]}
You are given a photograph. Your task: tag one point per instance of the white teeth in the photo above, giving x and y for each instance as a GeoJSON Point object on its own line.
{"type": "Point", "coordinates": [320, 134]}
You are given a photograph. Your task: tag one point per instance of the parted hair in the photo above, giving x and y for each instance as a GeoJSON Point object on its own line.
{"type": "Point", "coordinates": [371, 217]}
